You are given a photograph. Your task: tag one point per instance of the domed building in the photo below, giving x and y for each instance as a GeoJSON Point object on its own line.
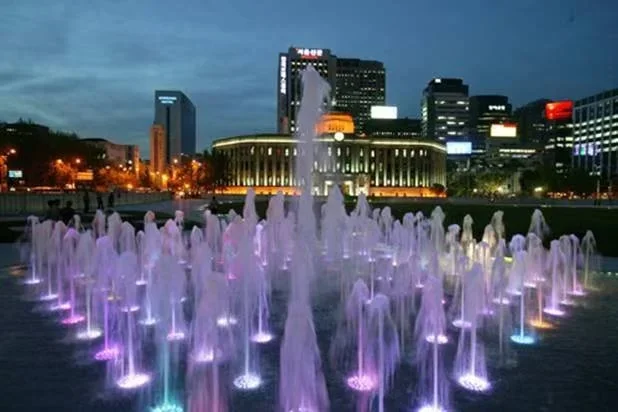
{"type": "Point", "coordinates": [375, 165]}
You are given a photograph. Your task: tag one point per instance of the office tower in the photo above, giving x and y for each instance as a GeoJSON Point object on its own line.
{"type": "Point", "coordinates": [176, 113]}
{"type": "Point", "coordinates": [356, 85]}
{"type": "Point", "coordinates": [289, 85]}
{"type": "Point", "coordinates": [158, 149]}
{"type": "Point", "coordinates": [595, 134]}
{"type": "Point", "coordinates": [444, 110]}
{"type": "Point", "coordinates": [360, 84]}
{"type": "Point", "coordinates": [531, 123]}
{"type": "Point", "coordinates": [486, 110]}
{"type": "Point", "coordinates": [559, 135]}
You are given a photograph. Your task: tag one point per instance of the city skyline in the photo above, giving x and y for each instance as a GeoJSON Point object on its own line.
{"type": "Point", "coordinates": [91, 70]}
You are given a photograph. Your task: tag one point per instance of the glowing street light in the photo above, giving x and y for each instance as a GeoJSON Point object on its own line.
{"type": "Point", "coordinates": [78, 160]}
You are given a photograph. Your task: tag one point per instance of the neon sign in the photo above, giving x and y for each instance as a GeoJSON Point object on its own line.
{"type": "Point", "coordinates": [283, 72]}
{"type": "Point", "coordinates": [497, 107]}
{"type": "Point", "coordinates": [310, 53]}
{"type": "Point", "coordinates": [167, 99]}
{"type": "Point", "coordinates": [562, 110]}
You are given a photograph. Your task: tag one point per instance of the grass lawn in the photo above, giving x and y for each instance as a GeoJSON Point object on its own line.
{"type": "Point", "coordinates": [561, 220]}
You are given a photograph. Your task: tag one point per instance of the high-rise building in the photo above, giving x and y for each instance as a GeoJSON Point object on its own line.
{"type": "Point", "coordinates": [444, 110]}
{"type": "Point", "coordinates": [559, 135]}
{"type": "Point", "coordinates": [158, 149]}
{"type": "Point", "coordinates": [289, 85]}
{"type": "Point", "coordinates": [486, 110]}
{"type": "Point", "coordinates": [531, 123]}
{"type": "Point", "coordinates": [356, 85]}
{"type": "Point", "coordinates": [176, 113]}
{"type": "Point", "coordinates": [595, 134]}
{"type": "Point", "coordinates": [360, 84]}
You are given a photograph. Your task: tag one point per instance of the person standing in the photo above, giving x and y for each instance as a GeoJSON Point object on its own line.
{"type": "Point", "coordinates": [110, 200]}
{"type": "Point", "coordinates": [86, 199]}
{"type": "Point", "coordinates": [100, 204]}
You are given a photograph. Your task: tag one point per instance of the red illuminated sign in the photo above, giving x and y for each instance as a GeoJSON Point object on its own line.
{"type": "Point", "coordinates": [313, 54]}
{"type": "Point", "coordinates": [559, 110]}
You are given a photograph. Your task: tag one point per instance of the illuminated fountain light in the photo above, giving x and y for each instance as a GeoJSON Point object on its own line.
{"type": "Point", "coordinates": [362, 383]}
{"type": "Point", "coordinates": [554, 312]}
{"type": "Point", "coordinates": [56, 307]}
{"type": "Point", "coordinates": [442, 339]}
{"type": "Point", "coordinates": [133, 381]}
{"type": "Point", "coordinates": [73, 320]}
{"type": "Point", "coordinates": [48, 297]}
{"type": "Point", "coordinates": [226, 321]}
{"type": "Point", "coordinates": [175, 336]}
{"type": "Point", "coordinates": [567, 302]}
{"type": "Point", "coordinates": [167, 407]}
{"type": "Point", "coordinates": [577, 292]}
{"type": "Point", "coordinates": [247, 382]}
{"type": "Point", "coordinates": [262, 337]}
{"type": "Point", "coordinates": [91, 334]}
{"type": "Point", "coordinates": [107, 354]}
{"type": "Point", "coordinates": [141, 282]}
{"type": "Point", "coordinates": [431, 408]}
{"type": "Point", "coordinates": [474, 383]}
{"type": "Point", "coordinates": [488, 312]}
{"type": "Point", "coordinates": [32, 281]}
{"type": "Point", "coordinates": [540, 324]}
{"type": "Point", "coordinates": [503, 301]}
{"type": "Point", "coordinates": [131, 309]}
{"type": "Point", "coordinates": [148, 321]}
{"type": "Point", "coordinates": [530, 285]}
{"type": "Point", "coordinates": [207, 355]}
{"type": "Point", "coordinates": [462, 324]}
{"type": "Point", "coordinates": [523, 339]}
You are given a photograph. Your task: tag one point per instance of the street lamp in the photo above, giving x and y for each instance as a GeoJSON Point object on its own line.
{"type": "Point", "coordinates": [4, 168]}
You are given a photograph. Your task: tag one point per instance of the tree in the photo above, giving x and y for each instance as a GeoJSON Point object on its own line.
{"type": "Point", "coordinates": [221, 173]}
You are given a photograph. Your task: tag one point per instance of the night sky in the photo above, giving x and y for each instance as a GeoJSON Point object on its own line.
{"type": "Point", "coordinates": [94, 69]}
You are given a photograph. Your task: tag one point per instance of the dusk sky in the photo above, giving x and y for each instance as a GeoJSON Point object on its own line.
{"type": "Point", "coordinates": [94, 69]}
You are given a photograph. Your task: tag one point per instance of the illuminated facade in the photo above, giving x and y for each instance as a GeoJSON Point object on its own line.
{"type": "Point", "coordinates": [289, 85]}
{"type": "Point", "coordinates": [376, 166]}
{"type": "Point", "coordinates": [356, 85]}
{"type": "Point", "coordinates": [595, 134]}
{"type": "Point", "coordinates": [559, 135]}
{"type": "Point", "coordinates": [359, 84]}
{"type": "Point", "coordinates": [176, 113]}
{"type": "Point", "coordinates": [158, 149]}
{"type": "Point", "coordinates": [486, 110]}
{"type": "Point", "coordinates": [444, 110]}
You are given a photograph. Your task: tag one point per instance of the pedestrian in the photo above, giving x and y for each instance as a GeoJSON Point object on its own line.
{"type": "Point", "coordinates": [86, 199]}
{"type": "Point", "coordinates": [110, 200]}
{"type": "Point", "coordinates": [100, 204]}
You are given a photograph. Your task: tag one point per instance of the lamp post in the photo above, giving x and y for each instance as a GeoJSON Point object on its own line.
{"type": "Point", "coordinates": [4, 168]}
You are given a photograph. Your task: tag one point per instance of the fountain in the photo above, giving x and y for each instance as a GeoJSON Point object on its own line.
{"type": "Point", "coordinates": [589, 245]}
{"type": "Point", "coordinates": [470, 367]}
{"type": "Point", "coordinates": [213, 295]}
{"type": "Point", "coordinates": [301, 382]}
{"type": "Point", "coordinates": [430, 331]}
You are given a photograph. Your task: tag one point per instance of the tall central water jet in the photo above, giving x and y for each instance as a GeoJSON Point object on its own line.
{"type": "Point", "coordinates": [302, 386]}
{"type": "Point", "coordinates": [430, 327]}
